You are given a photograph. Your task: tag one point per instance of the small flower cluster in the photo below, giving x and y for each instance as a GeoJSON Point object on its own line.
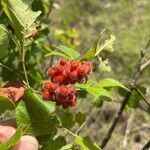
{"type": "Point", "coordinates": [63, 75]}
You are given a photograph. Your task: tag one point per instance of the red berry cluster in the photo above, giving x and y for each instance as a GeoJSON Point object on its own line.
{"type": "Point", "coordinates": [62, 76]}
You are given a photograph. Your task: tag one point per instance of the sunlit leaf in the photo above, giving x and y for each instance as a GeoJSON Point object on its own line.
{"type": "Point", "coordinates": [86, 143]}
{"type": "Point", "coordinates": [4, 41]}
{"type": "Point", "coordinates": [111, 83]}
{"type": "Point", "coordinates": [71, 53]}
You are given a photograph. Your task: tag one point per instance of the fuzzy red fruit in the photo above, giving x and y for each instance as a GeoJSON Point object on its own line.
{"type": "Point", "coordinates": [87, 68]}
{"type": "Point", "coordinates": [59, 69]}
{"type": "Point", "coordinates": [81, 70]}
{"type": "Point", "coordinates": [73, 102]}
{"type": "Point", "coordinates": [70, 97]}
{"type": "Point", "coordinates": [46, 95]}
{"type": "Point", "coordinates": [51, 73]}
{"type": "Point", "coordinates": [61, 98]}
{"type": "Point", "coordinates": [58, 79]}
{"type": "Point", "coordinates": [53, 87]}
{"type": "Point", "coordinates": [74, 75]}
{"type": "Point", "coordinates": [64, 90]}
{"type": "Point", "coordinates": [46, 85]}
{"type": "Point", "coordinates": [74, 64]}
{"type": "Point", "coordinates": [63, 62]}
{"type": "Point", "coordinates": [65, 105]}
{"type": "Point", "coordinates": [67, 69]}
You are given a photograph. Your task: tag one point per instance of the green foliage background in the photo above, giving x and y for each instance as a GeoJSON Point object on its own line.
{"type": "Point", "coordinates": [128, 20]}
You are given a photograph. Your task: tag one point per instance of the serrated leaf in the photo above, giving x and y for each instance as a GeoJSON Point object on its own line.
{"type": "Point", "coordinates": [4, 41]}
{"type": "Point", "coordinates": [111, 83]}
{"type": "Point", "coordinates": [86, 143]}
{"type": "Point", "coordinates": [21, 16]}
{"type": "Point", "coordinates": [6, 104]}
{"type": "Point", "coordinates": [85, 85]}
{"type": "Point", "coordinates": [36, 115]}
{"type": "Point", "coordinates": [80, 118]}
{"type": "Point", "coordinates": [56, 144]}
{"type": "Point", "coordinates": [12, 141]}
{"type": "Point", "coordinates": [99, 91]}
{"type": "Point", "coordinates": [67, 119]}
{"type": "Point", "coordinates": [71, 53]}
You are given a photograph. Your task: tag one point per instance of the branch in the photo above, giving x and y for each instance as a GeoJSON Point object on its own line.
{"type": "Point", "coordinates": [146, 146]}
{"type": "Point", "coordinates": [144, 98]}
{"type": "Point", "coordinates": [137, 75]}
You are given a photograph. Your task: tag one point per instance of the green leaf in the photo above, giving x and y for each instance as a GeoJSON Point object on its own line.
{"type": "Point", "coordinates": [67, 147]}
{"type": "Point", "coordinates": [36, 115]}
{"type": "Point", "coordinates": [99, 91]}
{"type": "Point", "coordinates": [134, 99]}
{"type": "Point", "coordinates": [90, 54]}
{"type": "Point", "coordinates": [21, 16]}
{"type": "Point", "coordinates": [85, 85]}
{"type": "Point", "coordinates": [56, 144]}
{"type": "Point", "coordinates": [97, 101]}
{"type": "Point", "coordinates": [86, 143]}
{"type": "Point", "coordinates": [12, 141]}
{"type": "Point", "coordinates": [71, 53]}
{"type": "Point", "coordinates": [111, 83]}
{"type": "Point", "coordinates": [98, 48]}
{"type": "Point", "coordinates": [4, 41]}
{"type": "Point", "coordinates": [80, 118]}
{"type": "Point", "coordinates": [57, 54]}
{"type": "Point", "coordinates": [6, 104]}
{"type": "Point", "coordinates": [67, 119]}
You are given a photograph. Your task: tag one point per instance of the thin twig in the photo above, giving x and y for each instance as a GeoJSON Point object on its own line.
{"type": "Point", "coordinates": [142, 95]}
{"type": "Point", "coordinates": [137, 75]}
{"type": "Point", "coordinates": [146, 146]}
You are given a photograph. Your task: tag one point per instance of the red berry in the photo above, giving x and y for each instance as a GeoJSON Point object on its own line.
{"type": "Point", "coordinates": [59, 69]}
{"type": "Point", "coordinates": [64, 90]}
{"type": "Point", "coordinates": [87, 68]}
{"type": "Point", "coordinates": [74, 75]}
{"type": "Point", "coordinates": [46, 95]}
{"type": "Point", "coordinates": [72, 90]}
{"type": "Point", "coordinates": [74, 64]}
{"type": "Point", "coordinates": [46, 85]}
{"type": "Point", "coordinates": [58, 79]}
{"type": "Point", "coordinates": [63, 62]}
{"type": "Point", "coordinates": [70, 97]}
{"type": "Point", "coordinates": [81, 70]}
{"type": "Point", "coordinates": [65, 105]}
{"type": "Point", "coordinates": [61, 98]}
{"type": "Point", "coordinates": [67, 69]}
{"type": "Point", "coordinates": [53, 87]}
{"type": "Point", "coordinates": [73, 102]}
{"type": "Point", "coordinates": [51, 73]}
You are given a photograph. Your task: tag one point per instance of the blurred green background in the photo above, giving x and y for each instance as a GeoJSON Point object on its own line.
{"type": "Point", "coordinates": [128, 20]}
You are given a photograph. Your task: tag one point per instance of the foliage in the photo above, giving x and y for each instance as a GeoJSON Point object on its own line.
{"type": "Point", "coordinates": [25, 38]}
